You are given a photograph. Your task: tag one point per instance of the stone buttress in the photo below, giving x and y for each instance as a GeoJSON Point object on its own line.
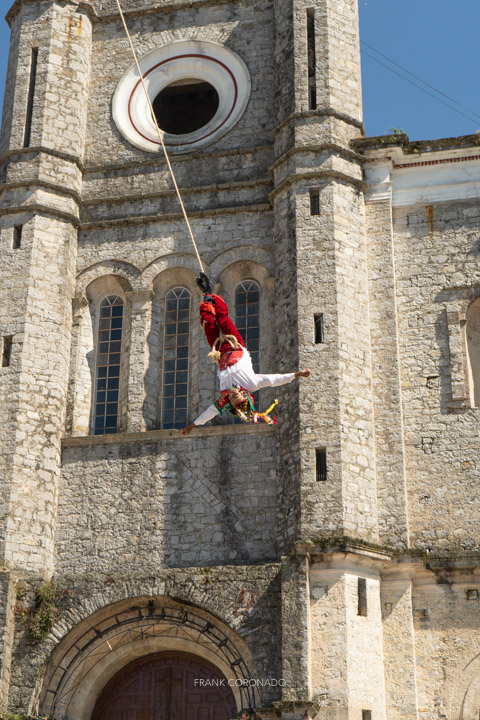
{"type": "Point", "coordinates": [322, 279]}
{"type": "Point", "coordinates": [41, 169]}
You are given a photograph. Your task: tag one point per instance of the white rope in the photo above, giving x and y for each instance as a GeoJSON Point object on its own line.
{"type": "Point", "coordinates": [160, 135]}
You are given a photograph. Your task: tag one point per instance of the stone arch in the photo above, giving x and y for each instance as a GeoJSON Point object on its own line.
{"type": "Point", "coordinates": [242, 253]}
{"type": "Point", "coordinates": [174, 262]}
{"type": "Point", "coordinates": [84, 336]}
{"type": "Point", "coordinates": [471, 700]}
{"type": "Point", "coordinates": [472, 331]}
{"type": "Point", "coordinates": [462, 691]}
{"type": "Point", "coordinates": [117, 268]}
{"type": "Point", "coordinates": [106, 641]}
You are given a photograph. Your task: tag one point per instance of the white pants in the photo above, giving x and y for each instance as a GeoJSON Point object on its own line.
{"type": "Point", "coordinates": [243, 374]}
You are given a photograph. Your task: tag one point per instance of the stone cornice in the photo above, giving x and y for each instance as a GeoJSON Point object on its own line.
{"type": "Point", "coordinates": [338, 548]}
{"type": "Point", "coordinates": [318, 175]}
{"type": "Point", "coordinates": [323, 112]}
{"type": "Point", "coordinates": [170, 192]}
{"type": "Point", "coordinates": [32, 184]}
{"type": "Point", "coordinates": [401, 140]}
{"type": "Point", "coordinates": [156, 8]}
{"type": "Point", "coordinates": [167, 435]}
{"type": "Point", "coordinates": [40, 209]}
{"type": "Point", "coordinates": [83, 4]}
{"type": "Point", "coordinates": [168, 217]}
{"type": "Point", "coordinates": [41, 149]}
{"type": "Point", "coordinates": [201, 156]}
{"type": "Point", "coordinates": [324, 147]}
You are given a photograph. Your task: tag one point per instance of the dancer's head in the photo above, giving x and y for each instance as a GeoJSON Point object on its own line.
{"type": "Point", "coordinates": [237, 395]}
{"type": "Point", "coordinates": [241, 403]}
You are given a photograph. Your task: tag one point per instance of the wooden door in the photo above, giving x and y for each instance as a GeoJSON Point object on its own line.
{"type": "Point", "coordinates": [167, 686]}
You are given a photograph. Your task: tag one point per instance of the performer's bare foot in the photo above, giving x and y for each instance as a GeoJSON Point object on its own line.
{"type": "Point", "coordinates": [187, 430]}
{"type": "Point", "coordinates": [303, 373]}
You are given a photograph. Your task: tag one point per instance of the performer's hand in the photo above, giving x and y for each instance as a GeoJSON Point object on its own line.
{"type": "Point", "coordinates": [187, 430]}
{"type": "Point", "coordinates": [303, 373]}
{"type": "Point", "coordinates": [208, 307]}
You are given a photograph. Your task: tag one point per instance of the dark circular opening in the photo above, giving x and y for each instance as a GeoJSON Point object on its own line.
{"type": "Point", "coordinates": [185, 106]}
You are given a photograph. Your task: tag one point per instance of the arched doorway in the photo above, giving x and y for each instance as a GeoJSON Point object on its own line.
{"type": "Point", "coordinates": [167, 686]}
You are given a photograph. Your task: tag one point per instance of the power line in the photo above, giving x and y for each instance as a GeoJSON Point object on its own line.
{"type": "Point", "coordinates": [424, 82]}
{"type": "Point", "coordinates": [473, 120]}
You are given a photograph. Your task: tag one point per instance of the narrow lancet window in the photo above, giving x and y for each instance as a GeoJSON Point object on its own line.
{"type": "Point", "coordinates": [318, 325]}
{"type": "Point", "coordinates": [312, 83]}
{"type": "Point", "coordinates": [314, 201]}
{"type": "Point", "coordinates": [17, 237]}
{"type": "Point", "coordinates": [473, 345]}
{"type": "Point", "coordinates": [107, 366]}
{"type": "Point", "coordinates": [321, 464]}
{"type": "Point", "coordinates": [175, 358]}
{"type": "Point", "coordinates": [30, 97]}
{"type": "Point", "coordinates": [362, 597]}
{"type": "Point", "coordinates": [247, 318]}
{"type": "Point", "coordinates": [7, 343]}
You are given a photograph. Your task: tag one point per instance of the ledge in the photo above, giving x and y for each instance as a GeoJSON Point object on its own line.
{"type": "Point", "coordinates": [318, 175]}
{"type": "Point", "coordinates": [41, 149]}
{"type": "Point", "coordinates": [159, 435]}
{"type": "Point", "coordinates": [320, 112]}
{"type": "Point", "coordinates": [83, 4]}
{"type": "Point", "coordinates": [321, 548]}
{"type": "Point", "coordinates": [39, 209]}
{"type": "Point", "coordinates": [320, 148]}
{"type": "Point", "coordinates": [160, 162]}
{"type": "Point", "coordinates": [174, 216]}
{"type": "Point", "coordinates": [170, 192]}
{"type": "Point", "coordinates": [131, 13]}
{"type": "Point", "coordinates": [413, 147]}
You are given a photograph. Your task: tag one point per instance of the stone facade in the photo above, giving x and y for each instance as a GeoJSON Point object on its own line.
{"type": "Point", "coordinates": [334, 595]}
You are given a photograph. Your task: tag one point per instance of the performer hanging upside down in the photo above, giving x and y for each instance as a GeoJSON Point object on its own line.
{"type": "Point", "coordinates": [237, 376]}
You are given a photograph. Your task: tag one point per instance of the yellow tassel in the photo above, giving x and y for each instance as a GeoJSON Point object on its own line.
{"type": "Point", "coordinates": [215, 355]}
{"type": "Point", "coordinates": [267, 412]}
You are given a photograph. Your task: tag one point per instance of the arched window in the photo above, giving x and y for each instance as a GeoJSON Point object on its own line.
{"type": "Point", "coordinates": [473, 343]}
{"type": "Point", "coordinates": [175, 358]}
{"type": "Point", "coordinates": [247, 317]}
{"type": "Point", "coordinates": [107, 365]}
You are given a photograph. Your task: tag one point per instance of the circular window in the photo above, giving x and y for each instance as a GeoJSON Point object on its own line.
{"type": "Point", "coordinates": [198, 91]}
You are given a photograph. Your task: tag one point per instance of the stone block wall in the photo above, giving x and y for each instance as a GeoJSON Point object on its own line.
{"type": "Point", "coordinates": [436, 264]}
{"type": "Point", "coordinates": [167, 502]}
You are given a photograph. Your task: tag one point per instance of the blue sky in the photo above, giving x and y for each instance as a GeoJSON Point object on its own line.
{"type": "Point", "coordinates": [434, 39]}
{"type": "Point", "coordinates": [437, 41]}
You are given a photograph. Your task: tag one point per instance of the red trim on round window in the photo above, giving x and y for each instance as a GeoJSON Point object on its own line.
{"type": "Point", "coordinates": [179, 57]}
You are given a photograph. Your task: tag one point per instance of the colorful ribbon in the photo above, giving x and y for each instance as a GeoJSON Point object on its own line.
{"type": "Point", "coordinates": [266, 415]}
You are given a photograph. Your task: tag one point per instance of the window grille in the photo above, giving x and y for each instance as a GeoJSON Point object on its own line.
{"type": "Point", "coordinates": [314, 202]}
{"type": "Point", "coordinates": [366, 715]}
{"type": "Point", "coordinates": [107, 366]}
{"type": "Point", "coordinates": [7, 350]}
{"type": "Point", "coordinates": [318, 321]}
{"type": "Point", "coordinates": [247, 318]}
{"type": "Point", "coordinates": [321, 464]}
{"type": "Point", "coordinates": [362, 597]}
{"type": "Point", "coordinates": [175, 358]}
{"type": "Point", "coordinates": [17, 236]}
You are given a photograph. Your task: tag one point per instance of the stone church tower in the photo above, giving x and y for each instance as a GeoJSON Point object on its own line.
{"type": "Point", "coordinates": [325, 567]}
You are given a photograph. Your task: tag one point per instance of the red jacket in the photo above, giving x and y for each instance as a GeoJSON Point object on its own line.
{"type": "Point", "coordinates": [215, 318]}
